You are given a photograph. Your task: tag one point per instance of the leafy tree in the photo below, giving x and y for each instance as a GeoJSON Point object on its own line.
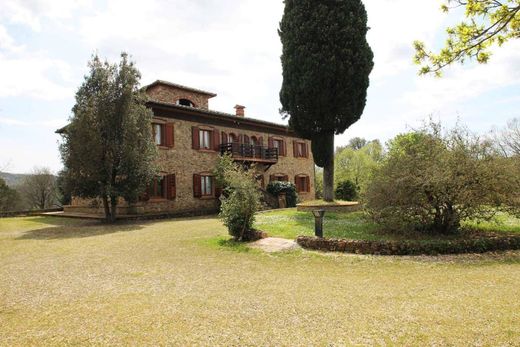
{"type": "Point", "coordinates": [108, 150]}
{"type": "Point", "coordinates": [326, 62]}
{"type": "Point", "coordinates": [64, 188]}
{"type": "Point", "coordinates": [9, 198]}
{"type": "Point", "coordinates": [488, 22]}
{"type": "Point", "coordinates": [39, 189]}
{"type": "Point", "coordinates": [357, 143]}
{"type": "Point", "coordinates": [431, 181]}
{"type": "Point", "coordinates": [241, 198]}
{"type": "Point", "coordinates": [346, 190]}
{"type": "Point", "coordinates": [357, 165]}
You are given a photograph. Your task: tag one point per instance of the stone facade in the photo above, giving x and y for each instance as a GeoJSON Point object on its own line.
{"type": "Point", "coordinates": [184, 161]}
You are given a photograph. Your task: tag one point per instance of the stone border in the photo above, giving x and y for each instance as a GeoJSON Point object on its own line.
{"type": "Point", "coordinates": [380, 247]}
{"type": "Point", "coordinates": [28, 212]}
{"type": "Point", "coordinates": [351, 207]}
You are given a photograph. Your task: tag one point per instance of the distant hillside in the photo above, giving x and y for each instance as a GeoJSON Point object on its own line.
{"type": "Point", "coordinates": [12, 179]}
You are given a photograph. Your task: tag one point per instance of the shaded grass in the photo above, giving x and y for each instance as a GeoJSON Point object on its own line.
{"type": "Point", "coordinates": [180, 282]}
{"type": "Point", "coordinates": [355, 225]}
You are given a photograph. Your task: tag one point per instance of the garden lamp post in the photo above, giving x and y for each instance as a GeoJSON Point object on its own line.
{"type": "Point", "coordinates": [318, 222]}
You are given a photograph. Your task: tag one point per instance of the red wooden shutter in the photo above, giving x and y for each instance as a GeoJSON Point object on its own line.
{"type": "Point", "coordinates": [195, 142]}
{"type": "Point", "coordinates": [284, 148]}
{"type": "Point", "coordinates": [295, 148]}
{"type": "Point", "coordinates": [197, 191]}
{"type": "Point", "coordinates": [171, 188]}
{"type": "Point", "coordinates": [306, 146]}
{"type": "Point", "coordinates": [224, 138]}
{"type": "Point", "coordinates": [216, 140]}
{"type": "Point", "coordinates": [272, 178]}
{"type": "Point", "coordinates": [286, 178]}
{"type": "Point", "coordinates": [270, 142]}
{"type": "Point", "coordinates": [297, 183]}
{"type": "Point", "coordinates": [168, 130]}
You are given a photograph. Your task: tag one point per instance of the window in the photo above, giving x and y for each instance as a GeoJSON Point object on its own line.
{"type": "Point", "coordinates": [300, 149]}
{"type": "Point", "coordinates": [233, 138]}
{"type": "Point", "coordinates": [185, 102]}
{"type": "Point", "coordinates": [279, 177]}
{"type": "Point", "coordinates": [302, 183]}
{"type": "Point", "coordinates": [162, 187]}
{"type": "Point", "coordinates": [156, 188]}
{"type": "Point", "coordinates": [158, 134]}
{"type": "Point", "coordinates": [204, 139]}
{"type": "Point", "coordinates": [277, 143]}
{"type": "Point", "coordinates": [163, 134]}
{"type": "Point", "coordinates": [206, 185]}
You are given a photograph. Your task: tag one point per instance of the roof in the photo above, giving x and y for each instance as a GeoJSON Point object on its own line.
{"type": "Point", "coordinates": [220, 115]}
{"type": "Point", "coordinates": [194, 90]}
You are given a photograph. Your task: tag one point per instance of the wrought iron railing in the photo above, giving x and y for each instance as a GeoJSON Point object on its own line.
{"type": "Point", "coordinates": [250, 152]}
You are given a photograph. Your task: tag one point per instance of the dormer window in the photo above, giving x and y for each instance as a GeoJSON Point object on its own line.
{"type": "Point", "coordinates": [185, 102]}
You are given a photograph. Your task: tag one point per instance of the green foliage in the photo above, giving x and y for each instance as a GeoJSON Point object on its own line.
{"type": "Point", "coordinates": [318, 183]}
{"type": "Point", "coordinates": [108, 151]}
{"type": "Point", "coordinates": [488, 22]}
{"type": "Point", "coordinates": [9, 198]}
{"type": "Point", "coordinates": [430, 181]}
{"type": "Point", "coordinates": [356, 164]}
{"type": "Point", "coordinates": [241, 200]}
{"type": "Point", "coordinates": [288, 188]}
{"type": "Point", "coordinates": [346, 190]}
{"type": "Point", "coordinates": [326, 62]}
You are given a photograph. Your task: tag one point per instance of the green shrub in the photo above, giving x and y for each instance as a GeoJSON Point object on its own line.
{"type": "Point", "coordinates": [288, 188]}
{"type": "Point", "coordinates": [346, 190]}
{"type": "Point", "coordinates": [240, 199]}
{"type": "Point", "coordinates": [431, 181]}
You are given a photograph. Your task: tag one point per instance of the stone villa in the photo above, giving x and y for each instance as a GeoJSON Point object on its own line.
{"type": "Point", "coordinates": [190, 138]}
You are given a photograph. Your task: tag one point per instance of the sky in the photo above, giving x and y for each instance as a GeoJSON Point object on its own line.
{"type": "Point", "coordinates": [232, 48]}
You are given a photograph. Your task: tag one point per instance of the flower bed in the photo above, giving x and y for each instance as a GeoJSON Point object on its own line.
{"type": "Point", "coordinates": [479, 244]}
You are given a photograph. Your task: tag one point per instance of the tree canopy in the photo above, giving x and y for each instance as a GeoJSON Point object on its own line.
{"type": "Point", "coordinates": [326, 62]}
{"type": "Point", "coordinates": [108, 150]}
{"type": "Point", "coordinates": [488, 22]}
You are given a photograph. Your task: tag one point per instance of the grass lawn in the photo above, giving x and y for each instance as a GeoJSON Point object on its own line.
{"type": "Point", "coordinates": [290, 223]}
{"type": "Point", "coordinates": [177, 282]}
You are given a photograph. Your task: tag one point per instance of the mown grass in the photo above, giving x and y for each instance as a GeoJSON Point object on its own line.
{"type": "Point", "coordinates": [180, 282]}
{"type": "Point", "coordinates": [355, 225]}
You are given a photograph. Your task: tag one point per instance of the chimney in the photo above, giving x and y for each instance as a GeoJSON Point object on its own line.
{"type": "Point", "coordinates": [240, 110]}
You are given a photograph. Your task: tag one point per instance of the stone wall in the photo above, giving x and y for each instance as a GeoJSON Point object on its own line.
{"type": "Point", "coordinates": [164, 93]}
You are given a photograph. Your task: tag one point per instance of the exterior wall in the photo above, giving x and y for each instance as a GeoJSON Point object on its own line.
{"type": "Point", "coordinates": [164, 93]}
{"type": "Point", "coordinates": [184, 162]}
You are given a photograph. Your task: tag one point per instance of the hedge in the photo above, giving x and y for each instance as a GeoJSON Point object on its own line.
{"type": "Point", "coordinates": [411, 247]}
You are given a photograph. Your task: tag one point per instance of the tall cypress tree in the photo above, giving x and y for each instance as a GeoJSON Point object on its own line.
{"type": "Point", "coordinates": [326, 62]}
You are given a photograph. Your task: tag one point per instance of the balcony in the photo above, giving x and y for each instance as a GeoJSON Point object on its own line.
{"type": "Point", "coordinates": [250, 153]}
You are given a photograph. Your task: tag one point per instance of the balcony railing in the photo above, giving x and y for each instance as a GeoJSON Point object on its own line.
{"type": "Point", "coordinates": [245, 152]}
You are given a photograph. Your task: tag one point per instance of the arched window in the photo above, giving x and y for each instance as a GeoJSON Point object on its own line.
{"type": "Point", "coordinates": [185, 102]}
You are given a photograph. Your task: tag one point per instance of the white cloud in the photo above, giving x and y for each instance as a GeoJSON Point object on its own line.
{"type": "Point", "coordinates": [31, 12]}
{"type": "Point", "coordinates": [464, 83]}
{"type": "Point", "coordinates": [33, 76]}
{"type": "Point", "coordinates": [49, 123]}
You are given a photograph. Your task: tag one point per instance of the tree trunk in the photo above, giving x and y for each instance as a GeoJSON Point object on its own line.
{"type": "Point", "coordinates": [328, 173]}
{"type": "Point", "coordinates": [107, 208]}
{"type": "Point", "coordinates": [113, 209]}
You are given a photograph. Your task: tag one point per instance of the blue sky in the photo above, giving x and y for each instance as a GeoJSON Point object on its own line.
{"type": "Point", "coordinates": [230, 47]}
